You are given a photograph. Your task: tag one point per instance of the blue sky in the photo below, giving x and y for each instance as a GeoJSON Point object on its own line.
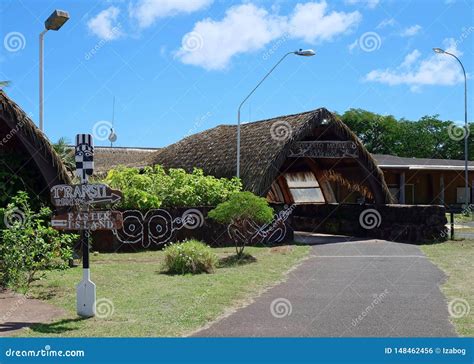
{"type": "Point", "coordinates": [179, 67]}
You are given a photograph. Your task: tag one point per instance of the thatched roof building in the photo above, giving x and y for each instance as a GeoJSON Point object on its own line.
{"type": "Point", "coordinates": [307, 157]}
{"type": "Point", "coordinates": [26, 154]}
{"type": "Point", "coordinates": [107, 158]}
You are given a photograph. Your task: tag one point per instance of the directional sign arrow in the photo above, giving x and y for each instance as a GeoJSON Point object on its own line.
{"type": "Point", "coordinates": [85, 194]}
{"type": "Point", "coordinates": [93, 220]}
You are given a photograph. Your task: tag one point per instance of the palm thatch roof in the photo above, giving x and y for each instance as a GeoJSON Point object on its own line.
{"type": "Point", "coordinates": [265, 146]}
{"type": "Point", "coordinates": [107, 158]}
{"type": "Point", "coordinates": [16, 128]}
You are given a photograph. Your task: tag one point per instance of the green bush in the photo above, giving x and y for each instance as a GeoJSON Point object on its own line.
{"type": "Point", "coordinates": [154, 187]}
{"type": "Point", "coordinates": [191, 256]}
{"type": "Point", "coordinates": [28, 245]}
{"type": "Point", "coordinates": [243, 210]}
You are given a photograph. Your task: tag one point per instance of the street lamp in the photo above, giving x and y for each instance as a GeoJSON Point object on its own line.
{"type": "Point", "coordinates": [301, 52]}
{"type": "Point", "coordinates": [55, 21]}
{"type": "Point", "coordinates": [466, 173]}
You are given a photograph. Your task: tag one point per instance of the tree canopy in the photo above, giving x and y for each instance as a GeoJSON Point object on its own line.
{"type": "Point", "coordinates": [428, 137]}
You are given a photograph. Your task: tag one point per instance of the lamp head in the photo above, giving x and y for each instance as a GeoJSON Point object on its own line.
{"type": "Point", "coordinates": [56, 20]}
{"type": "Point", "coordinates": [305, 52]}
{"type": "Point", "coordinates": [438, 50]}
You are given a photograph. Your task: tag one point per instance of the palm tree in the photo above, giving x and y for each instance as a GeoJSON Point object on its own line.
{"type": "Point", "coordinates": [66, 153]}
{"type": "Point", "coordinates": [4, 84]}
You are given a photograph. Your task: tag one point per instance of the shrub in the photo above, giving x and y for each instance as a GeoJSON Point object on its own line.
{"type": "Point", "coordinates": [191, 256]}
{"type": "Point", "coordinates": [154, 187]}
{"type": "Point", "coordinates": [243, 210]}
{"type": "Point", "coordinates": [28, 246]}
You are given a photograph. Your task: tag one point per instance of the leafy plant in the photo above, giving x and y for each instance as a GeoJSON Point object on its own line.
{"type": "Point", "coordinates": [154, 187]}
{"type": "Point", "coordinates": [243, 210]}
{"type": "Point", "coordinates": [191, 256]}
{"type": "Point", "coordinates": [66, 153]}
{"type": "Point", "coordinates": [28, 246]}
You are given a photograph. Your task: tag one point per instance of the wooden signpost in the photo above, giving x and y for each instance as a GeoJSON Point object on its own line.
{"type": "Point", "coordinates": [93, 220]}
{"type": "Point", "coordinates": [85, 194]}
{"type": "Point", "coordinates": [81, 197]}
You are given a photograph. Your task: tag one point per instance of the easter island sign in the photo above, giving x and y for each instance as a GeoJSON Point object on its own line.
{"type": "Point", "coordinates": [89, 220]}
{"type": "Point", "coordinates": [83, 195]}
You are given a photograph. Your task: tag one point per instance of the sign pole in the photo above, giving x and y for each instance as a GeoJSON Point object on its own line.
{"type": "Point", "coordinates": [86, 289]}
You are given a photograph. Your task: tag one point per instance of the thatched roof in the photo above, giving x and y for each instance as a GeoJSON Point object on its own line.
{"type": "Point", "coordinates": [16, 125]}
{"type": "Point", "coordinates": [263, 154]}
{"type": "Point", "coordinates": [107, 158]}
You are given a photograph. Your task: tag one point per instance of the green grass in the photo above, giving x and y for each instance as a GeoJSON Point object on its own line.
{"type": "Point", "coordinates": [147, 302]}
{"type": "Point", "coordinates": [456, 259]}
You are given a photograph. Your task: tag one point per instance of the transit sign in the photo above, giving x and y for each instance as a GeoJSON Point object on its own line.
{"type": "Point", "coordinates": [85, 194]}
{"type": "Point", "coordinates": [93, 220]}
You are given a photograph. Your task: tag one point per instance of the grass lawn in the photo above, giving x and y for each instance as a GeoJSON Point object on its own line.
{"type": "Point", "coordinates": [456, 259]}
{"type": "Point", "coordinates": [147, 302]}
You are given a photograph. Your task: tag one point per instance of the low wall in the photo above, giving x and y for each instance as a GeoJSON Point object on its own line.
{"type": "Point", "coordinates": [153, 229]}
{"type": "Point", "coordinates": [401, 223]}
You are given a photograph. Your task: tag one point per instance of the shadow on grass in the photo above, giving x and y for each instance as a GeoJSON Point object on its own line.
{"type": "Point", "coordinates": [57, 327]}
{"type": "Point", "coordinates": [236, 260]}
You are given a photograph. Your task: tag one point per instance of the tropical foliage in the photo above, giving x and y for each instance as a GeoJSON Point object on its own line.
{"type": "Point", "coordinates": [28, 245]}
{"type": "Point", "coordinates": [191, 256]}
{"type": "Point", "coordinates": [428, 137]}
{"type": "Point", "coordinates": [154, 187]}
{"type": "Point", "coordinates": [243, 210]}
{"type": "Point", "coordinates": [66, 153]}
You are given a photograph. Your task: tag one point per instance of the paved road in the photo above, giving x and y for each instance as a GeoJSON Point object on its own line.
{"type": "Point", "coordinates": [17, 312]}
{"type": "Point", "coordinates": [348, 288]}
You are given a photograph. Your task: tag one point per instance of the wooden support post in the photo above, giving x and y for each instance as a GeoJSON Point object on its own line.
{"type": "Point", "coordinates": [401, 198]}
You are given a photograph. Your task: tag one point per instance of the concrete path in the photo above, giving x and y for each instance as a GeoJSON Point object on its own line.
{"type": "Point", "coordinates": [17, 312]}
{"type": "Point", "coordinates": [348, 288]}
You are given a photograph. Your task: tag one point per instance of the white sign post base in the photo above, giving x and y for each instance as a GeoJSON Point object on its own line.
{"type": "Point", "coordinates": [86, 295]}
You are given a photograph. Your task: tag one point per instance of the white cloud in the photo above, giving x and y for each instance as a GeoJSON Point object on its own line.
{"type": "Point", "coordinates": [312, 23]}
{"type": "Point", "coordinates": [434, 69]}
{"type": "Point", "coordinates": [389, 22]}
{"type": "Point", "coordinates": [410, 58]}
{"type": "Point", "coordinates": [411, 31]}
{"type": "Point", "coordinates": [371, 4]}
{"type": "Point", "coordinates": [146, 12]}
{"type": "Point", "coordinates": [104, 25]}
{"type": "Point", "coordinates": [245, 28]}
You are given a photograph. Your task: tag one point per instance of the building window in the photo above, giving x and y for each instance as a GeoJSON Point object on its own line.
{"type": "Point", "coordinates": [461, 195]}
{"type": "Point", "coordinates": [304, 188]}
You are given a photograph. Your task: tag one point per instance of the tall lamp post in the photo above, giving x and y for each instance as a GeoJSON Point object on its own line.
{"type": "Point", "coordinates": [55, 21]}
{"type": "Point", "coordinates": [466, 169]}
{"type": "Point", "coordinates": [301, 52]}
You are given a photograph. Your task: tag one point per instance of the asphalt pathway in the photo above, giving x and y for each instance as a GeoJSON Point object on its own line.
{"type": "Point", "coordinates": [348, 288]}
{"type": "Point", "coordinates": [17, 312]}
